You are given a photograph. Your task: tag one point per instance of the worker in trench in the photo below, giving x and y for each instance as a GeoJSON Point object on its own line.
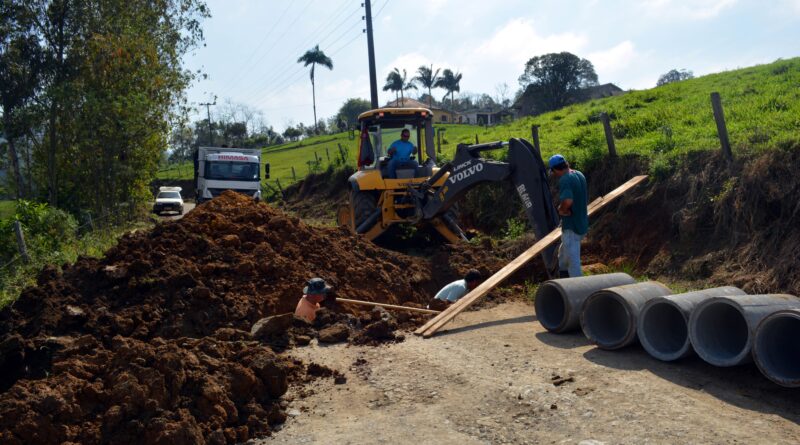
{"type": "Point", "coordinates": [574, 212]}
{"type": "Point", "coordinates": [314, 293]}
{"type": "Point", "coordinates": [455, 290]}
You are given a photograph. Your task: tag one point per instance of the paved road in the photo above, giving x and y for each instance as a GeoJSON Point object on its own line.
{"type": "Point", "coordinates": [187, 207]}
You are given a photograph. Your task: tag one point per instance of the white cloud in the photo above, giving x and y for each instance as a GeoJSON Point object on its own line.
{"type": "Point", "coordinates": [613, 60]}
{"type": "Point", "coordinates": [518, 41]}
{"type": "Point", "coordinates": [685, 9]}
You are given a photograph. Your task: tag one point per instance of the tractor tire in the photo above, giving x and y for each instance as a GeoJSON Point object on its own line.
{"type": "Point", "coordinates": [363, 205]}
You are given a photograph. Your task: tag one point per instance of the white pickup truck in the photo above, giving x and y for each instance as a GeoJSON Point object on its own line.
{"type": "Point", "coordinates": [168, 200]}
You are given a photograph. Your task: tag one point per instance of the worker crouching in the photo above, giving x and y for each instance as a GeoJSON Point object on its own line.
{"type": "Point", "coordinates": [314, 293]}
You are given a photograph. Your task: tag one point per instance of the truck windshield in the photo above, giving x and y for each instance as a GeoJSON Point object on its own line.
{"type": "Point", "coordinates": [232, 171]}
{"type": "Point", "coordinates": [169, 195]}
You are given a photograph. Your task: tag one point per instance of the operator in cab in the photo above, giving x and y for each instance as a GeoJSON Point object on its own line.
{"type": "Point", "coordinates": [401, 150]}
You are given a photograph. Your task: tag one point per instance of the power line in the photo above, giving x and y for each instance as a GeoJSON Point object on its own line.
{"type": "Point", "coordinates": [244, 67]}
{"type": "Point", "coordinates": [379, 10]}
{"type": "Point", "coordinates": [280, 75]}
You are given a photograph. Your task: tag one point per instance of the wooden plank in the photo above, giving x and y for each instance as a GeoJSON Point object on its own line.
{"type": "Point", "coordinates": [387, 306]}
{"type": "Point", "coordinates": [436, 323]}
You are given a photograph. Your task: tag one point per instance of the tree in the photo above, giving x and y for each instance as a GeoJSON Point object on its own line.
{"type": "Point", "coordinates": [427, 77]}
{"type": "Point", "coordinates": [350, 110]}
{"type": "Point", "coordinates": [313, 57]}
{"type": "Point", "coordinates": [558, 77]}
{"type": "Point", "coordinates": [449, 81]}
{"type": "Point", "coordinates": [397, 82]}
{"type": "Point", "coordinates": [674, 76]}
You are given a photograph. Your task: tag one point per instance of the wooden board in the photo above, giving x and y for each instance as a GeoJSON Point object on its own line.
{"type": "Point", "coordinates": [387, 306]}
{"type": "Point", "coordinates": [436, 323]}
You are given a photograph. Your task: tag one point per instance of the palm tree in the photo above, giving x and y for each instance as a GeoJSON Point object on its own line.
{"type": "Point", "coordinates": [427, 78]}
{"type": "Point", "coordinates": [449, 81]}
{"type": "Point", "coordinates": [313, 57]}
{"type": "Point", "coordinates": [397, 82]}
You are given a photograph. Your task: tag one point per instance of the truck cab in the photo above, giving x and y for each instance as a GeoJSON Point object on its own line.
{"type": "Point", "coordinates": [217, 169]}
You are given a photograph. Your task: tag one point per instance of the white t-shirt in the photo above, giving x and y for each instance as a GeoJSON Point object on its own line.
{"type": "Point", "coordinates": [453, 291]}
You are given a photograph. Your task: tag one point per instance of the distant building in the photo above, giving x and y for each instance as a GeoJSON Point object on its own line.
{"type": "Point", "coordinates": [528, 105]}
{"type": "Point", "coordinates": [483, 116]}
{"type": "Point", "coordinates": [440, 115]}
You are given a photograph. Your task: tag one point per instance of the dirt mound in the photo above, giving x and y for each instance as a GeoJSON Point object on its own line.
{"type": "Point", "coordinates": [152, 341]}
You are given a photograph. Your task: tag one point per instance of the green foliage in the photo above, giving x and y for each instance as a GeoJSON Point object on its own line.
{"type": "Point", "coordinates": [551, 80]}
{"type": "Point", "coordinates": [350, 110]}
{"type": "Point", "coordinates": [515, 227]}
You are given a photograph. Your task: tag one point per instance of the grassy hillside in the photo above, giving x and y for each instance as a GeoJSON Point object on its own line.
{"type": "Point", "coordinates": [761, 104]}
{"type": "Point", "coordinates": [7, 208]}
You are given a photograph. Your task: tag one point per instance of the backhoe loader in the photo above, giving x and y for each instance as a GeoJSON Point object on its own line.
{"type": "Point", "coordinates": [425, 193]}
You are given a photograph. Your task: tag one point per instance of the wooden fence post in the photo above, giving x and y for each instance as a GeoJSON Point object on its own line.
{"type": "Point", "coordinates": [316, 157]}
{"type": "Point", "coordinates": [476, 139]}
{"type": "Point", "coordinates": [535, 135]}
{"type": "Point", "coordinates": [722, 129]}
{"type": "Point", "coordinates": [612, 148]}
{"type": "Point", "coordinates": [278, 182]}
{"type": "Point", "coordinates": [328, 154]}
{"type": "Point", "coordinates": [294, 175]}
{"type": "Point", "coordinates": [23, 251]}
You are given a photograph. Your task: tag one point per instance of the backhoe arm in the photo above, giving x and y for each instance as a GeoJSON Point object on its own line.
{"type": "Point", "coordinates": [525, 169]}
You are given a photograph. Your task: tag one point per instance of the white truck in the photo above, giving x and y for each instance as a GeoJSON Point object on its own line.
{"type": "Point", "coordinates": [217, 169]}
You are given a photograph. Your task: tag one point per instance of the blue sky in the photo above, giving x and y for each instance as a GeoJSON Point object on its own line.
{"type": "Point", "coordinates": [252, 45]}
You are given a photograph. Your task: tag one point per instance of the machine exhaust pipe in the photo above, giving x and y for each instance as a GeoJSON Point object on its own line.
{"type": "Point", "coordinates": [558, 302]}
{"type": "Point", "coordinates": [609, 316]}
{"type": "Point", "coordinates": [664, 321]}
{"type": "Point", "coordinates": [777, 350]}
{"type": "Point", "coordinates": [722, 329]}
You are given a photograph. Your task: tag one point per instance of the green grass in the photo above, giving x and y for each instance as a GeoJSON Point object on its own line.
{"type": "Point", "coordinates": [7, 209]}
{"type": "Point", "coordinates": [17, 276]}
{"type": "Point", "coordinates": [761, 105]}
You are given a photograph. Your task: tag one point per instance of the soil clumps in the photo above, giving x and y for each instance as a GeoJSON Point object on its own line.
{"type": "Point", "coordinates": [152, 343]}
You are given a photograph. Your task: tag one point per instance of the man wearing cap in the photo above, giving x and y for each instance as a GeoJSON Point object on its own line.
{"type": "Point", "coordinates": [574, 213]}
{"type": "Point", "coordinates": [314, 292]}
{"type": "Point", "coordinates": [400, 151]}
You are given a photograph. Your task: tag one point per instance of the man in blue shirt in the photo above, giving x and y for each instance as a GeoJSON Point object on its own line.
{"type": "Point", "coordinates": [457, 289]}
{"type": "Point", "coordinates": [400, 151]}
{"type": "Point", "coordinates": [573, 208]}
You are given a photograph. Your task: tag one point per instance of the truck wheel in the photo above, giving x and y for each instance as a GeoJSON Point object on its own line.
{"type": "Point", "coordinates": [363, 204]}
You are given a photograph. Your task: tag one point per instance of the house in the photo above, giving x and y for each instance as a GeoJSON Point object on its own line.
{"type": "Point", "coordinates": [440, 115]}
{"type": "Point", "coordinates": [528, 105]}
{"type": "Point", "coordinates": [483, 116]}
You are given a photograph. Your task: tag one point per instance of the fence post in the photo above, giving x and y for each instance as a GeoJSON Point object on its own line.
{"type": "Point", "coordinates": [328, 154]}
{"type": "Point", "coordinates": [23, 251]}
{"type": "Point", "coordinates": [476, 140]}
{"type": "Point", "coordinates": [535, 135]}
{"type": "Point", "coordinates": [316, 157]}
{"type": "Point", "coordinates": [294, 175]}
{"type": "Point", "coordinates": [278, 182]}
{"type": "Point", "coordinates": [612, 149]}
{"type": "Point", "coordinates": [722, 129]}
{"type": "Point", "coordinates": [341, 153]}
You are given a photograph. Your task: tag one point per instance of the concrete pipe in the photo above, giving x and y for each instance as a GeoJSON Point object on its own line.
{"type": "Point", "coordinates": [777, 347]}
{"type": "Point", "coordinates": [558, 302]}
{"type": "Point", "coordinates": [722, 329]}
{"type": "Point", "coordinates": [609, 316]}
{"type": "Point", "coordinates": [663, 327]}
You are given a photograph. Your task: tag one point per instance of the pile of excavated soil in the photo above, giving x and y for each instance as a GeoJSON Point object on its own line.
{"type": "Point", "coordinates": [151, 343]}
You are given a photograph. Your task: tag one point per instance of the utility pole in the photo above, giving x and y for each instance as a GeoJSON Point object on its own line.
{"type": "Point", "coordinates": [208, 112]}
{"type": "Point", "coordinates": [373, 82]}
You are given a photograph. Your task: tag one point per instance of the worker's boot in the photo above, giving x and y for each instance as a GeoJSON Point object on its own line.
{"type": "Point", "coordinates": [563, 274]}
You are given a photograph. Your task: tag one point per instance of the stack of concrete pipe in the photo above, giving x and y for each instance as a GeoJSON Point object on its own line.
{"type": "Point", "coordinates": [723, 325]}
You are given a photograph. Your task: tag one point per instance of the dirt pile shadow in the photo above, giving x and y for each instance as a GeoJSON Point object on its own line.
{"type": "Point", "coordinates": [152, 342]}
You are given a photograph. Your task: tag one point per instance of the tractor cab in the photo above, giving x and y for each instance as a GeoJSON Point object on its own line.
{"type": "Point", "coordinates": [381, 127]}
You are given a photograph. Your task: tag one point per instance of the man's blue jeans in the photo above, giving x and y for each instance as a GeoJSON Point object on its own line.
{"type": "Point", "coordinates": [569, 254]}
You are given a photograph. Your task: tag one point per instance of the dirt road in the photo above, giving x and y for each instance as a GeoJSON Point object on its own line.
{"type": "Point", "coordinates": [497, 377]}
{"type": "Point", "coordinates": [187, 207]}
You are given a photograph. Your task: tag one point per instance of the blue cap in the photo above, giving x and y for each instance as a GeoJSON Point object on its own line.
{"type": "Point", "coordinates": [316, 286]}
{"type": "Point", "coordinates": [556, 160]}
